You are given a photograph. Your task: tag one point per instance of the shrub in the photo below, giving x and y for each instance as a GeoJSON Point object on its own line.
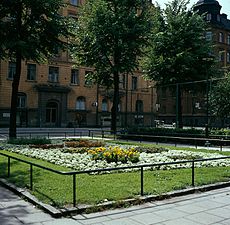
{"type": "Point", "coordinates": [26, 141]}
{"type": "Point", "coordinates": [153, 149]}
{"type": "Point", "coordinates": [47, 146]}
{"type": "Point", "coordinates": [165, 131]}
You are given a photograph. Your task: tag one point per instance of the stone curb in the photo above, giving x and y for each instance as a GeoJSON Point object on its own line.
{"type": "Point", "coordinates": [54, 212]}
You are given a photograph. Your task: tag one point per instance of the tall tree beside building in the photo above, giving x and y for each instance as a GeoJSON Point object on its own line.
{"type": "Point", "coordinates": [111, 36]}
{"type": "Point", "coordinates": [30, 30]}
{"type": "Point", "coordinates": [219, 98]}
{"type": "Point", "coordinates": [179, 52]}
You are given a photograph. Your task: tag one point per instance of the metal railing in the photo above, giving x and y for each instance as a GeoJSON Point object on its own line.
{"type": "Point", "coordinates": [74, 173]}
{"type": "Point", "coordinates": [63, 134]}
{"type": "Point", "coordinates": [195, 141]}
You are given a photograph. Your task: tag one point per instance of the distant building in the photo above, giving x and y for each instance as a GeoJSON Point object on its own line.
{"type": "Point", "coordinates": [58, 95]}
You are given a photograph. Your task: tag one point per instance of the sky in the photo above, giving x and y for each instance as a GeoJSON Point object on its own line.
{"type": "Point", "coordinates": [224, 3]}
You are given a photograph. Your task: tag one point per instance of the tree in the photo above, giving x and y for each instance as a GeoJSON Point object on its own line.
{"type": "Point", "coordinates": [219, 98]}
{"type": "Point", "coordinates": [30, 30]}
{"type": "Point", "coordinates": [179, 52]}
{"type": "Point", "coordinates": [111, 36]}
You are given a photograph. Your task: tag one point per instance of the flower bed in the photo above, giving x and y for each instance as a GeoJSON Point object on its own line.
{"type": "Point", "coordinates": [117, 156]}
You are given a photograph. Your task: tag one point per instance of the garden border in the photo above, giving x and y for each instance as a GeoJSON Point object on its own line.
{"type": "Point", "coordinates": [57, 213]}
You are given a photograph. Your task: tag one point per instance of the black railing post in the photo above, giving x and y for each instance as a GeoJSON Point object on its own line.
{"type": "Point", "coordinates": [74, 190]}
{"type": "Point", "coordinates": [142, 181]}
{"type": "Point", "coordinates": [48, 135]}
{"type": "Point", "coordinates": [8, 171]}
{"type": "Point", "coordinates": [193, 173]}
{"type": "Point", "coordinates": [31, 177]}
{"type": "Point", "coordinates": [102, 133]}
{"type": "Point", "coordinates": [89, 133]}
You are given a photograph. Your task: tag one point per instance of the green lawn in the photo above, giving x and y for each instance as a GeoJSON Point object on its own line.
{"type": "Point", "coordinates": [91, 189]}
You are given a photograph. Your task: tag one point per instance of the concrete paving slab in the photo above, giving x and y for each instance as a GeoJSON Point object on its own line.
{"type": "Point", "coordinates": [204, 218]}
{"type": "Point", "coordinates": [211, 207]}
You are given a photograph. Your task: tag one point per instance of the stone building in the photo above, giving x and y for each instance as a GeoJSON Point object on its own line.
{"type": "Point", "coordinates": [58, 95]}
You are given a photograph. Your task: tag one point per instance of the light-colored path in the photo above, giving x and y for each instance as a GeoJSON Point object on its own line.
{"type": "Point", "coordinates": [212, 207]}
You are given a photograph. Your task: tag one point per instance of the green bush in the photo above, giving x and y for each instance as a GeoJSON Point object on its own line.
{"type": "Point", "coordinates": [165, 131]}
{"type": "Point", "coordinates": [222, 131]}
{"type": "Point", "coordinates": [29, 141]}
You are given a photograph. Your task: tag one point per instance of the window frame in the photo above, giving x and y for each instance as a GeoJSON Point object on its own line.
{"type": "Point", "coordinates": [34, 72]}
{"type": "Point", "coordinates": [134, 83]}
{"type": "Point", "coordinates": [74, 79]}
{"type": "Point", "coordinates": [11, 70]}
{"type": "Point", "coordinates": [81, 103]}
{"type": "Point", "coordinates": [54, 76]}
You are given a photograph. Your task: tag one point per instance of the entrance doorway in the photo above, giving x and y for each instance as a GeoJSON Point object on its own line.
{"type": "Point", "coordinates": [52, 114]}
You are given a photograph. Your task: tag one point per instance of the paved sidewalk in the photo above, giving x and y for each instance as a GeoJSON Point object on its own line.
{"type": "Point", "coordinates": [212, 207]}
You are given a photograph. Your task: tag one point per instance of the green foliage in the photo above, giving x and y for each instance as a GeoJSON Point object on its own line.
{"type": "Point", "coordinates": [179, 51]}
{"type": "Point", "coordinates": [31, 30]}
{"type": "Point", "coordinates": [111, 36]}
{"type": "Point", "coordinates": [38, 28]}
{"type": "Point", "coordinates": [26, 141]}
{"type": "Point", "coordinates": [165, 131]}
{"type": "Point", "coordinates": [220, 97]}
{"type": "Point", "coordinates": [220, 132]}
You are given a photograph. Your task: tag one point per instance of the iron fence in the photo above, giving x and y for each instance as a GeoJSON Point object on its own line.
{"type": "Point", "coordinates": [75, 173]}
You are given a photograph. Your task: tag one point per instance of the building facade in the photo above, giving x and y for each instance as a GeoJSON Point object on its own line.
{"type": "Point", "coordinates": [58, 94]}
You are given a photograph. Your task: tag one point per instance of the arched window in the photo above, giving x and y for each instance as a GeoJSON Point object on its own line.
{"type": "Point", "coordinates": [104, 105]}
{"type": "Point", "coordinates": [21, 102]}
{"type": "Point", "coordinates": [139, 106]}
{"type": "Point", "coordinates": [80, 104]}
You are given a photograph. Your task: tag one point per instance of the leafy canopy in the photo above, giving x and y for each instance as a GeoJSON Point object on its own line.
{"type": "Point", "coordinates": [179, 51]}
{"type": "Point", "coordinates": [111, 36]}
{"type": "Point", "coordinates": [220, 97]}
{"type": "Point", "coordinates": [35, 28]}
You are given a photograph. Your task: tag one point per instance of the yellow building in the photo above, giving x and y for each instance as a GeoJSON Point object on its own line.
{"type": "Point", "coordinates": [58, 95]}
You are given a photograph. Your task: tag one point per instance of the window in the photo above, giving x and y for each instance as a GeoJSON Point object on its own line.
{"type": "Point", "coordinates": [123, 81]}
{"type": "Point", "coordinates": [139, 106]}
{"type": "Point", "coordinates": [74, 76]}
{"type": "Point", "coordinates": [134, 83]}
{"type": "Point", "coordinates": [228, 39]}
{"type": "Point", "coordinates": [221, 56]}
{"type": "Point", "coordinates": [218, 18]}
{"type": "Point", "coordinates": [208, 16]}
{"type": "Point", "coordinates": [228, 57]}
{"type": "Point", "coordinates": [74, 2]}
{"type": "Point", "coordinates": [11, 70]}
{"type": "Point", "coordinates": [53, 74]}
{"type": "Point", "coordinates": [221, 37]}
{"type": "Point", "coordinates": [88, 81]}
{"type": "Point", "coordinates": [80, 104]}
{"type": "Point", "coordinates": [31, 71]}
{"type": "Point", "coordinates": [104, 105]}
{"type": "Point", "coordinates": [208, 35]}
{"type": "Point", "coordinates": [21, 101]}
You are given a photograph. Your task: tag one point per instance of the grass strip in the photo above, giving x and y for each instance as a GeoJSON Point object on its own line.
{"type": "Point", "coordinates": [57, 190]}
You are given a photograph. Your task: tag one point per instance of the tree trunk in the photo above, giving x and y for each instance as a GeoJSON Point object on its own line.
{"type": "Point", "coordinates": [179, 123]}
{"type": "Point", "coordinates": [14, 97]}
{"type": "Point", "coordinates": [115, 102]}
